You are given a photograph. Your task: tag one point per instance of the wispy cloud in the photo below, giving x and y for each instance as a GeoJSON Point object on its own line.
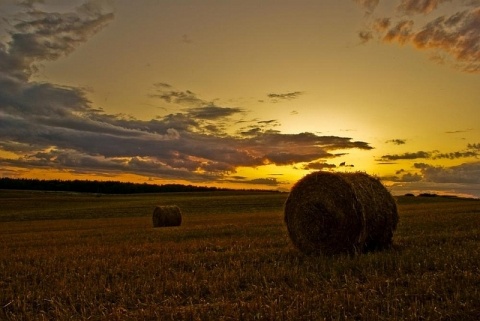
{"type": "Point", "coordinates": [451, 38]}
{"type": "Point", "coordinates": [456, 155]}
{"type": "Point", "coordinates": [419, 6]}
{"type": "Point", "coordinates": [213, 112]}
{"type": "Point", "coordinates": [470, 152]}
{"type": "Point", "coordinates": [457, 131]}
{"type": "Point", "coordinates": [284, 96]}
{"type": "Point", "coordinates": [368, 5]}
{"type": "Point", "coordinates": [415, 155]}
{"type": "Point", "coordinates": [397, 141]}
{"type": "Point", "coordinates": [168, 94]}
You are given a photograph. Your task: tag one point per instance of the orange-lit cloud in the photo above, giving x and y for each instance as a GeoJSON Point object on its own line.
{"type": "Point", "coordinates": [452, 38]}
{"type": "Point", "coordinates": [419, 6]}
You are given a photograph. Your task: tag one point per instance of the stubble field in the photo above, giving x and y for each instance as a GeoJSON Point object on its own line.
{"type": "Point", "coordinates": [90, 257]}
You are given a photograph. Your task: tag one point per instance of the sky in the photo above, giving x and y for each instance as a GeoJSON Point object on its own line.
{"type": "Point", "coordinates": [242, 94]}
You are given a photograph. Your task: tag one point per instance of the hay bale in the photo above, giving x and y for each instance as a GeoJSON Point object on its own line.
{"type": "Point", "coordinates": [167, 216]}
{"type": "Point", "coordinates": [332, 213]}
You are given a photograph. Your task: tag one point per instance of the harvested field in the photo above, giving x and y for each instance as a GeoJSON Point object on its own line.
{"type": "Point", "coordinates": [231, 259]}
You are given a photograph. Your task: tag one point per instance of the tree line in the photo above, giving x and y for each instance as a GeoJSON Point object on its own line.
{"type": "Point", "coordinates": [100, 187]}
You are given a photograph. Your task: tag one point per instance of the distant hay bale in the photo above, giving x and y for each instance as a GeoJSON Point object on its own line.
{"type": "Point", "coordinates": [331, 213]}
{"type": "Point", "coordinates": [164, 216]}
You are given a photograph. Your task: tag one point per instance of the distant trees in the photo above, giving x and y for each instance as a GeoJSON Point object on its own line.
{"type": "Point", "coordinates": [101, 187]}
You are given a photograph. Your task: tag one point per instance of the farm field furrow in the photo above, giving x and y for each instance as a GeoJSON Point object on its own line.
{"type": "Point", "coordinates": [97, 257]}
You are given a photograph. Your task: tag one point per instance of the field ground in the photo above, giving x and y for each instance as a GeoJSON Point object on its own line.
{"type": "Point", "coordinates": [97, 257]}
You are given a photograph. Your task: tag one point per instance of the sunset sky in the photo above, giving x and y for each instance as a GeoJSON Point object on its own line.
{"type": "Point", "coordinates": [242, 94]}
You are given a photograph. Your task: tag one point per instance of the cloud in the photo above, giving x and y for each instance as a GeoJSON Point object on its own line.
{"type": "Point", "coordinates": [319, 166]}
{"type": "Point", "coordinates": [456, 155]}
{"type": "Point", "coordinates": [365, 36]}
{"type": "Point", "coordinates": [166, 93]}
{"type": "Point", "coordinates": [461, 180]}
{"type": "Point", "coordinates": [420, 165]}
{"type": "Point", "coordinates": [284, 96]}
{"type": "Point", "coordinates": [269, 181]}
{"type": "Point", "coordinates": [56, 127]}
{"type": "Point", "coordinates": [49, 126]}
{"type": "Point", "coordinates": [457, 131]}
{"type": "Point", "coordinates": [400, 33]}
{"type": "Point", "coordinates": [37, 36]}
{"type": "Point", "coordinates": [419, 6]}
{"type": "Point", "coordinates": [186, 39]}
{"type": "Point", "coordinates": [263, 181]}
{"type": "Point", "coordinates": [368, 5]}
{"type": "Point", "coordinates": [470, 152]}
{"type": "Point", "coordinates": [416, 155]}
{"type": "Point", "coordinates": [213, 112]}
{"type": "Point", "coordinates": [407, 177]}
{"type": "Point", "coordinates": [452, 38]}
{"type": "Point", "coordinates": [396, 141]}
{"type": "Point", "coordinates": [474, 146]}
{"type": "Point", "coordinates": [467, 173]}
{"type": "Point", "coordinates": [259, 127]}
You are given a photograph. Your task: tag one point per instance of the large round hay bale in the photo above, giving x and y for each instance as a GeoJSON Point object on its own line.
{"type": "Point", "coordinates": [331, 213]}
{"type": "Point", "coordinates": [167, 216]}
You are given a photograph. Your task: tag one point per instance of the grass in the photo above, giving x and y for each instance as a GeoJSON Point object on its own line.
{"type": "Point", "coordinates": [84, 257]}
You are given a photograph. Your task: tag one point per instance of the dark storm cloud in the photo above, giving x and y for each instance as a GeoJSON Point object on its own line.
{"type": "Point", "coordinates": [453, 38]}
